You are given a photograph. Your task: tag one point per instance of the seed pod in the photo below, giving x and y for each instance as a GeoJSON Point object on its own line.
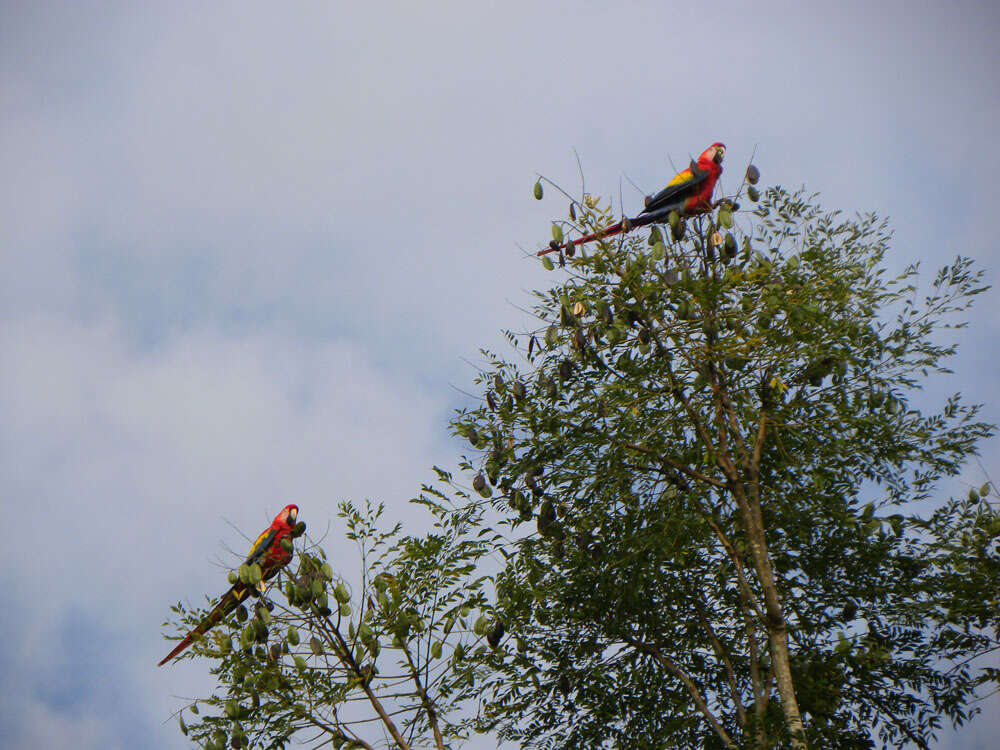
{"type": "Point", "coordinates": [674, 219]}
{"type": "Point", "coordinates": [436, 650]}
{"type": "Point", "coordinates": [537, 190]}
{"type": "Point", "coordinates": [495, 634]}
{"type": "Point", "coordinates": [490, 401]}
{"type": "Point", "coordinates": [264, 615]}
{"type": "Point", "coordinates": [557, 233]}
{"type": "Point", "coordinates": [547, 263]}
{"type": "Point", "coordinates": [479, 482]}
{"type": "Point", "coordinates": [241, 614]}
{"type": "Point", "coordinates": [341, 594]}
{"type": "Point", "coordinates": [274, 652]}
{"type": "Point", "coordinates": [316, 646]}
{"type": "Point", "coordinates": [498, 383]}
{"type": "Point", "coordinates": [725, 218]}
{"type": "Point", "coordinates": [715, 239]}
{"type": "Point", "coordinates": [244, 573]}
{"type": "Point", "coordinates": [233, 577]}
{"type": "Point", "coordinates": [546, 517]}
{"type": "Point", "coordinates": [729, 246]}
{"type": "Point", "coordinates": [572, 211]}
{"type": "Point", "coordinates": [473, 435]}
{"type": "Point", "coordinates": [580, 339]}
{"type": "Point", "coordinates": [659, 251]}
{"type": "Point", "coordinates": [518, 390]}
{"type": "Point", "coordinates": [292, 636]}
{"type": "Point", "coordinates": [551, 336]}
{"type": "Point", "coordinates": [753, 174]}
{"type": "Point", "coordinates": [753, 194]}
{"type": "Point", "coordinates": [654, 236]}
{"type": "Point", "coordinates": [256, 574]}
{"type": "Point", "coordinates": [677, 231]}
{"type": "Point", "coordinates": [326, 570]}
{"type": "Point", "coordinates": [532, 343]}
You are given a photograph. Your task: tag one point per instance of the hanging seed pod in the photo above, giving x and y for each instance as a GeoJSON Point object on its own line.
{"type": "Point", "coordinates": [753, 174]}
{"type": "Point", "coordinates": [292, 636]}
{"type": "Point", "coordinates": [659, 251]}
{"type": "Point", "coordinates": [479, 482]}
{"type": "Point", "coordinates": [725, 218]}
{"type": "Point", "coordinates": [495, 634]}
{"type": "Point", "coordinates": [753, 193]}
{"type": "Point", "coordinates": [498, 383]}
{"type": "Point", "coordinates": [274, 652]}
{"type": "Point", "coordinates": [580, 339]}
{"type": "Point", "coordinates": [316, 587]}
{"type": "Point", "coordinates": [552, 390]}
{"type": "Point", "coordinates": [532, 343]}
{"type": "Point", "coordinates": [654, 236]}
{"type": "Point", "coordinates": [729, 246]}
{"type": "Point", "coordinates": [579, 309]}
{"type": "Point", "coordinates": [537, 190]}
{"type": "Point", "coordinates": [570, 249]}
{"type": "Point", "coordinates": [341, 594]}
{"type": "Point", "coordinates": [572, 212]}
{"type": "Point", "coordinates": [547, 263]}
{"type": "Point", "coordinates": [557, 233]}
{"type": "Point", "coordinates": [518, 390]}
{"type": "Point", "coordinates": [233, 576]}
{"type": "Point", "coordinates": [551, 336]}
{"type": "Point", "coordinates": [316, 646]}
{"type": "Point", "coordinates": [674, 220]}
{"type": "Point", "coordinates": [473, 435]}
{"type": "Point", "coordinates": [546, 517]}
{"type": "Point", "coordinates": [490, 401]}
{"type": "Point", "coordinates": [677, 231]}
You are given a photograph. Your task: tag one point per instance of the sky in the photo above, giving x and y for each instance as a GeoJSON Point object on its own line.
{"type": "Point", "coordinates": [249, 251]}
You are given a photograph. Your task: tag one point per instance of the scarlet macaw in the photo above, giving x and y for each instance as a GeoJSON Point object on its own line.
{"type": "Point", "coordinates": [688, 193]}
{"type": "Point", "coordinates": [268, 553]}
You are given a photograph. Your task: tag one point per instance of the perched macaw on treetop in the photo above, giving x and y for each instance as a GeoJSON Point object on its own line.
{"type": "Point", "coordinates": [689, 193]}
{"type": "Point", "coordinates": [267, 552]}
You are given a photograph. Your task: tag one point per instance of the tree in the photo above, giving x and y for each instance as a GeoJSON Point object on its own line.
{"type": "Point", "coordinates": [305, 663]}
{"type": "Point", "coordinates": [717, 437]}
{"type": "Point", "coordinates": [717, 490]}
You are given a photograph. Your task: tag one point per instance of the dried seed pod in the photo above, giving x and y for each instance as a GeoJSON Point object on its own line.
{"type": "Point", "coordinates": [490, 401]}
{"type": "Point", "coordinates": [518, 390]}
{"type": "Point", "coordinates": [473, 435]}
{"type": "Point", "coordinates": [580, 339]}
{"type": "Point", "coordinates": [479, 482]}
{"type": "Point", "coordinates": [498, 382]}
{"type": "Point", "coordinates": [495, 634]}
{"type": "Point", "coordinates": [753, 174]}
{"type": "Point", "coordinates": [753, 194]}
{"type": "Point", "coordinates": [546, 518]}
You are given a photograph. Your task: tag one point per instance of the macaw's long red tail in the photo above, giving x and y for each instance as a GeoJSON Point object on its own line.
{"type": "Point", "coordinates": [610, 231]}
{"type": "Point", "coordinates": [229, 601]}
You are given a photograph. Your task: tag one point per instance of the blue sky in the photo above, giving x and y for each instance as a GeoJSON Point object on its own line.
{"type": "Point", "coordinates": [247, 248]}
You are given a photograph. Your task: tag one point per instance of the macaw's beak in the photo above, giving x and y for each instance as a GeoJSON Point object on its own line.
{"type": "Point", "coordinates": [720, 153]}
{"type": "Point", "coordinates": [292, 515]}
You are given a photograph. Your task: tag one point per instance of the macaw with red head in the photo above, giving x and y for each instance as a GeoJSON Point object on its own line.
{"type": "Point", "coordinates": [689, 193]}
{"type": "Point", "coordinates": [267, 552]}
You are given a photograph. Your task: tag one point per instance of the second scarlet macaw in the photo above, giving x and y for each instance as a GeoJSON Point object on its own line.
{"type": "Point", "coordinates": [267, 552]}
{"type": "Point", "coordinates": [688, 193]}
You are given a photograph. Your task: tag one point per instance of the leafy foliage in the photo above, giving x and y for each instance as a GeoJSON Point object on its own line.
{"type": "Point", "coordinates": [722, 457]}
